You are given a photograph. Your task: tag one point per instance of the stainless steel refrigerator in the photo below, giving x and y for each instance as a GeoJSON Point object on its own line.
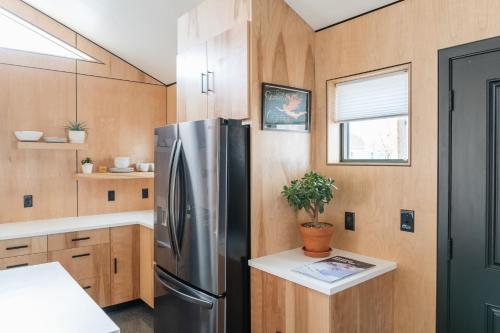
{"type": "Point", "coordinates": [202, 227]}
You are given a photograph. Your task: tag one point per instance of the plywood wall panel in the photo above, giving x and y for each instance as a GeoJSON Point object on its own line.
{"type": "Point", "coordinates": [411, 31]}
{"type": "Point", "coordinates": [32, 99]}
{"type": "Point", "coordinates": [121, 117]}
{"type": "Point", "coordinates": [111, 66]}
{"type": "Point", "coordinates": [172, 104]}
{"type": "Point", "coordinates": [281, 53]}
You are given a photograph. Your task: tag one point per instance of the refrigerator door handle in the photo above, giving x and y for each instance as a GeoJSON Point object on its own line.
{"type": "Point", "coordinates": [171, 203]}
{"type": "Point", "coordinates": [169, 214]}
{"type": "Point", "coordinates": [187, 298]}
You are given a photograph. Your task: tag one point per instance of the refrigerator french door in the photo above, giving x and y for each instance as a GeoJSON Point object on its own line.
{"type": "Point", "coordinates": [202, 227]}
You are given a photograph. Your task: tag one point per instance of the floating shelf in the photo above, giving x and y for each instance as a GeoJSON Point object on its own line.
{"type": "Point", "coordinates": [51, 146]}
{"type": "Point", "coordinates": [111, 175]}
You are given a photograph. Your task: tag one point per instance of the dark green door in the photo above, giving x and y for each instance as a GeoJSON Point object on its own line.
{"type": "Point", "coordinates": [474, 197]}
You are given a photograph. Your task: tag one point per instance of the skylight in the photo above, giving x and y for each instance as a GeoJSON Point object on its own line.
{"type": "Point", "coordinates": [18, 34]}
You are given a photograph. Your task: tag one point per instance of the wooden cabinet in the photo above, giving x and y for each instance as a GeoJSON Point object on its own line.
{"type": "Point", "coordinates": [124, 263]}
{"type": "Point", "coordinates": [147, 266]}
{"type": "Point", "coordinates": [77, 239]}
{"type": "Point", "coordinates": [192, 84]}
{"type": "Point", "coordinates": [227, 76]}
{"type": "Point", "coordinates": [213, 79]}
{"type": "Point", "coordinates": [20, 261]}
{"type": "Point", "coordinates": [282, 306]}
{"type": "Point", "coordinates": [88, 263]}
{"type": "Point", "coordinates": [22, 246]}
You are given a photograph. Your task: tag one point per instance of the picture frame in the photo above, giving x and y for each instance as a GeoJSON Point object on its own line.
{"type": "Point", "coordinates": [285, 108]}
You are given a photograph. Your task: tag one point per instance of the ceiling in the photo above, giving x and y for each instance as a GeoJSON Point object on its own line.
{"type": "Point", "coordinates": [144, 32]}
{"type": "Point", "coordinates": [322, 13]}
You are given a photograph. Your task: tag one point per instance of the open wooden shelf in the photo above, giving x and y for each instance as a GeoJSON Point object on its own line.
{"type": "Point", "coordinates": [111, 175]}
{"type": "Point", "coordinates": [51, 145]}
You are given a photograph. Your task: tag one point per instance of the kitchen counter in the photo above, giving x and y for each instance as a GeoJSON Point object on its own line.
{"type": "Point", "coordinates": [70, 224]}
{"type": "Point", "coordinates": [45, 298]}
{"type": "Point", "coordinates": [281, 265]}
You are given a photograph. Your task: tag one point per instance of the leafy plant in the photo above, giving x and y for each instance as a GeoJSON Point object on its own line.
{"type": "Point", "coordinates": [76, 126]}
{"type": "Point", "coordinates": [87, 160]}
{"type": "Point", "coordinates": [311, 193]}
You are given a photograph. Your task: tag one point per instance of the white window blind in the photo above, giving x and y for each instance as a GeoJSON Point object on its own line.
{"type": "Point", "coordinates": [380, 96]}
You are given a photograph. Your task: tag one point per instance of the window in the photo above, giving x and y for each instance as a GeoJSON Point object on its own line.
{"type": "Point", "coordinates": [18, 34]}
{"type": "Point", "coordinates": [369, 117]}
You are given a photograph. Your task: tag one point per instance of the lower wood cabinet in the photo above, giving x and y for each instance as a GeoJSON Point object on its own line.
{"type": "Point", "coordinates": [20, 261]}
{"type": "Point", "coordinates": [124, 263]}
{"type": "Point", "coordinates": [22, 246]}
{"type": "Point", "coordinates": [147, 266]}
{"type": "Point", "coordinates": [282, 306]}
{"type": "Point", "coordinates": [85, 264]}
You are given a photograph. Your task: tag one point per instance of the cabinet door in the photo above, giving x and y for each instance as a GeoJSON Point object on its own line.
{"type": "Point", "coordinates": [147, 277]}
{"type": "Point", "coordinates": [192, 84]}
{"type": "Point", "coordinates": [124, 264]}
{"type": "Point", "coordinates": [228, 78]}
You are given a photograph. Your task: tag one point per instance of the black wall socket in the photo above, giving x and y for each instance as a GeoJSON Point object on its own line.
{"type": "Point", "coordinates": [349, 221]}
{"type": "Point", "coordinates": [28, 201]}
{"type": "Point", "coordinates": [111, 195]}
{"type": "Point", "coordinates": [407, 220]}
{"type": "Point", "coordinates": [145, 193]}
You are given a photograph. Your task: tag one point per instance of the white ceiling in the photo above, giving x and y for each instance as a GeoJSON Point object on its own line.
{"type": "Point", "coordinates": [322, 13]}
{"type": "Point", "coordinates": [143, 32]}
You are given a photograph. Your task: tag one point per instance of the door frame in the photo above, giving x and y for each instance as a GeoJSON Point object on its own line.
{"type": "Point", "coordinates": [445, 104]}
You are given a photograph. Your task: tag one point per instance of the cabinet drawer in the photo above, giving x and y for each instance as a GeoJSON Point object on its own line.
{"type": "Point", "coordinates": [23, 246]}
{"type": "Point", "coordinates": [71, 240]}
{"type": "Point", "coordinates": [84, 262]}
{"type": "Point", "coordinates": [20, 261]}
{"type": "Point", "coordinates": [97, 289]}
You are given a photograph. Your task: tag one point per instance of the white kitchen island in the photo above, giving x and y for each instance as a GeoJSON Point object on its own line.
{"type": "Point", "coordinates": [46, 299]}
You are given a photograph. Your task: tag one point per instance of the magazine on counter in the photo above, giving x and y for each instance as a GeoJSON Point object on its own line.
{"type": "Point", "coordinates": [333, 269]}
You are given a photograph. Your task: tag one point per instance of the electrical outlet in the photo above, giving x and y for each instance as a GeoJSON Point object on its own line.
{"type": "Point", "coordinates": [111, 195]}
{"type": "Point", "coordinates": [349, 221]}
{"type": "Point", "coordinates": [145, 193]}
{"type": "Point", "coordinates": [28, 201]}
{"type": "Point", "coordinates": [407, 220]}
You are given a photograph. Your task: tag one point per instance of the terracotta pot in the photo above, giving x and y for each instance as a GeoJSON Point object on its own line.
{"type": "Point", "coordinates": [316, 240]}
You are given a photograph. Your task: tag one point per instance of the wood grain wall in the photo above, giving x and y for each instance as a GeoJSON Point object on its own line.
{"type": "Point", "coordinates": [121, 104]}
{"type": "Point", "coordinates": [282, 47]}
{"type": "Point", "coordinates": [411, 31]}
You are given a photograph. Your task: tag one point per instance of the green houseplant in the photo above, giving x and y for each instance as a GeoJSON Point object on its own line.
{"type": "Point", "coordinates": [77, 131]}
{"type": "Point", "coordinates": [87, 165]}
{"type": "Point", "coordinates": [312, 193]}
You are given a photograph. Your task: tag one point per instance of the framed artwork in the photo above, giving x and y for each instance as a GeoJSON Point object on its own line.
{"type": "Point", "coordinates": [285, 108]}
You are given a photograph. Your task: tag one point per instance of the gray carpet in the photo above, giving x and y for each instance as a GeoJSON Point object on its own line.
{"type": "Point", "coordinates": [135, 317]}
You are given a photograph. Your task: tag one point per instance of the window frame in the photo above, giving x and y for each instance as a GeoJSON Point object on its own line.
{"type": "Point", "coordinates": [338, 131]}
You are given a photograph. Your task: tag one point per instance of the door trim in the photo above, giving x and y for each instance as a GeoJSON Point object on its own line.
{"type": "Point", "coordinates": [445, 59]}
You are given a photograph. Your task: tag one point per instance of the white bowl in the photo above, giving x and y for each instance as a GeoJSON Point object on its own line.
{"type": "Point", "coordinates": [28, 135]}
{"type": "Point", "coordinates": [142, 167]}
{"type": "Point", "coordinates": [122, 162]}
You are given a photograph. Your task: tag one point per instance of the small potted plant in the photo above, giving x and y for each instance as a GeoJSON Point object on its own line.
{"type": "Point", "coordinates": [77, 131]}
{"type": "Point", "coordinates": [87, 165]}
{"type": "Point", "coordinates": [311, 193]}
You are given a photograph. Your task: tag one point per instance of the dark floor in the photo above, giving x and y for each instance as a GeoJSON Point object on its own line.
{"type": "Point", "coordinates": [135, 317]}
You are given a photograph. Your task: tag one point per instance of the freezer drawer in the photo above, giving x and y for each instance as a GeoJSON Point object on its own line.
{"type": "Point", "coordinates": [181, 309]}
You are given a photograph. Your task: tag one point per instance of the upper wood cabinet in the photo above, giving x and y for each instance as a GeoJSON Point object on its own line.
{"type": "Point", "coordinates": [213, 77]}
{"type": "Point", "coordinates": [124, 243]}
{"type": "Point", "coordinates": [227, 74]}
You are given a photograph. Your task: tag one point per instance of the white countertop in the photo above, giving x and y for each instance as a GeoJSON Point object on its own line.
{"type": "Point", "coordinates": [46, 299]}
{"type": "Point", "coordinates": [282, 263]}
{"type": "Point", "coordinates": [69, 224]}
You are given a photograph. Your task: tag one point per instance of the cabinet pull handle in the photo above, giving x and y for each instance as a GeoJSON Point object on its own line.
{"type": "Point", "coordinates": [87, 287]}
{"type": "Point", "coordinates": [16, 247]}
{"type": "Point", "coordinates": [80, 239]}
{"type": "Point", "coordinates": [203, 79]}
{"type": "Point", "coordinates": [80, 255]}
{"type": "Point", "coordinates": [208, 81]}
{"type": "Point", "coordinates": [15, 266]}
{"type": "Point", "coordinates": [116, 266]}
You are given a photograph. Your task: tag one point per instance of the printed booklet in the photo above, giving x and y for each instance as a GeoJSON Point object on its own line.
{"type": "Point", "coordinates": [333, 269]}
